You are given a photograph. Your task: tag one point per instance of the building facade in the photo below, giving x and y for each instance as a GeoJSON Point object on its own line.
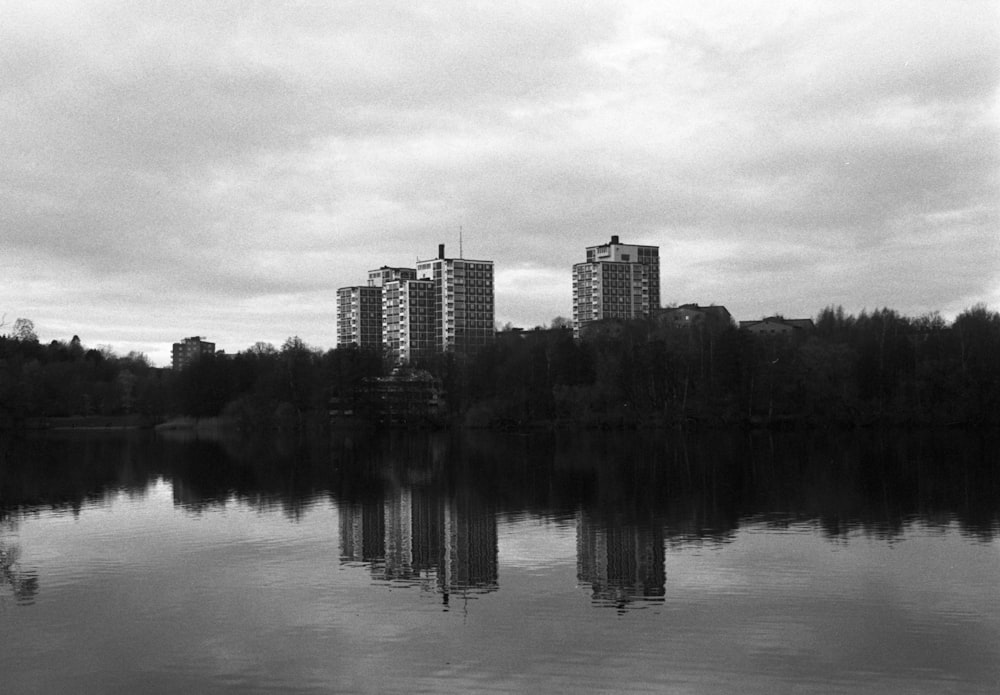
{"type": "Point", "coordinates": [188, 350]}
{"type": "Point", "coordinates": [408, 319]}
{"type": "Point", "coordinates": [359, 317]}
{"type": "Point", "coordinates": [464, 310]}
{"type": "Point", "coordinates": [442, 305]}
{"type": "Point", "coordinates": [618, 281]}
{"type": "Point", "coordinates": [777, 326]}
{"type": "Point", "coordinates": [714, 318]}
{"type": "Point", "coordinates": [359, 308]}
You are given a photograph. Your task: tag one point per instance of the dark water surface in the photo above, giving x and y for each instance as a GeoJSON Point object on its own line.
{"type": "Point", "coordinates": [865, 563]}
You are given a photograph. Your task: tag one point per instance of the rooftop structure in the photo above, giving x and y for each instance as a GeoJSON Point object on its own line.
{"type": "Point", "coordinates": [380, 276]}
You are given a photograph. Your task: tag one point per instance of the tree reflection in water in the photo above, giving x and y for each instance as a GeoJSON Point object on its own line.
{"type": "Point", "coordinates": [422, 508]}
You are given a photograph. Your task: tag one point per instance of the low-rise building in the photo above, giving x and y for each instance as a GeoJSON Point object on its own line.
{"type": "Point", "coordinates": [778, 326]}
{"type": "Point", "coordinates": [714, 318]}
{"type": "Point", "coordinates": [407, 397]}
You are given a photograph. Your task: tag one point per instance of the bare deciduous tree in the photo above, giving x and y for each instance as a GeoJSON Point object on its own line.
{"type": "Point", "coordinates": [24, 331]}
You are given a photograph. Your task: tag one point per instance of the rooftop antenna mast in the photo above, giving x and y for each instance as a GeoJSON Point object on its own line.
{"type": "Point", "coordinates": [460, 252]}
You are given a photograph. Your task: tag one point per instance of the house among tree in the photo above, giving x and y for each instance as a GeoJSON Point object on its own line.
{"type": "Point", "coordinates": [406, 398]}
{"type": "Point", "coordinates": [714, 318]}
{"type": "Point", "coordinates": [778, 326]}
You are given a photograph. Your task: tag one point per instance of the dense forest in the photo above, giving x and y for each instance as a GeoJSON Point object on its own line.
{"type": "Point", "coordinates": [874, 368]}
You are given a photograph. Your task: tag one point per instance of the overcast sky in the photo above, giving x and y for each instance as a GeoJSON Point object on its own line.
{"type": "Point", "coordinates": [177, 168]}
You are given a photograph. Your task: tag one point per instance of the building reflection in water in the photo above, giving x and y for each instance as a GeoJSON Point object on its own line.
{"type": "Point", "coordinates": [419, 537]}
{"type": "Point", "coordinates": [622, 563]}
{"type": "Point", "coordinates": [22, 584]}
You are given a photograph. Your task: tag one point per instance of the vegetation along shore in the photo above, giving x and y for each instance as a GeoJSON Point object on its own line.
{"type": "Point", "coordinates": [877, 368]}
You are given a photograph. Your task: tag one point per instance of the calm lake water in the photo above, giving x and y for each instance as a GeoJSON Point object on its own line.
{"type": "Point", "coordinates": [862, 563]}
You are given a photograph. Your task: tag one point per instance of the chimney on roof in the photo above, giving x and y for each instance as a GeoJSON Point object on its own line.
{"type": "Point", "coordinates": [440, 250]}
{"type": "Point", "coordinates": [614, 238]}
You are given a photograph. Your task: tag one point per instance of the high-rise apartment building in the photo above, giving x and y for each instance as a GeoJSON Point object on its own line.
{"type": "Point", "coordinates": [190, 349]}
{"type": "Point", "coordinates": [464, 311]}
{"type": "Point", "coordinates": [618, 281]}
{"type": "Point", "coordinates": [408, 319]}
{"type": "Point", "coordinates": [444, 305]}
{"type": "Point", "coordinates": [359, 308]}
{"type": "Point", "coordinates": [359, 317]}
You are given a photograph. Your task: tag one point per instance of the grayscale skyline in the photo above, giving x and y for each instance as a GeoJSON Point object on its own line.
{"type": "Point", "coordinates": [172, 169]}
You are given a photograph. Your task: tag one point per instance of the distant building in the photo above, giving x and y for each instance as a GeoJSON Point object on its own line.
{"type": "Point", "coordinates": [605, 329]}
{"type": "Point", "coordinates": [714, 318]}
{"type": "Point", "coordinates": [359, 308]}
{"type": "Point", "coordinates": [408, 319]}
{"type": "Point", "coordinates": [190, 349]}
{"type": "Point", "coordinates": [443, 305]}
{"type": "Point", "coordinates": [618, 281]}
{"type": "Point", "coordinates": [464, 310]}
{"type": "Point", "coordinates": [538, 334]}
{"type": "Point", "coordinates": [406, 398]}
{"type": "Point", "coordinates": [778, 326]}
{"type": "Point", "coordinates": [359, 317]}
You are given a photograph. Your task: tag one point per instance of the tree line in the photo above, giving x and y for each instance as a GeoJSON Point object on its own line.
{"type": "Point", "coordinates": [67, 378]}
{"type": "Point", "coordinates": [262, 386]}
{"type": "Point", "coordinates": [876, 367]}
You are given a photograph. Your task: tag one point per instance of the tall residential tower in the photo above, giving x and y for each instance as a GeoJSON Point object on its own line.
{"type": "Point", "coordinates": [359, 316]}
{"type": "Point", "coordinates": [463, 302]}
{"type": "Point", "coordinates": [618, 281]}
{"type": "Point", "coordinates": [444, 305]}
{"type": "Point", "coordinates": [359, 308]}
